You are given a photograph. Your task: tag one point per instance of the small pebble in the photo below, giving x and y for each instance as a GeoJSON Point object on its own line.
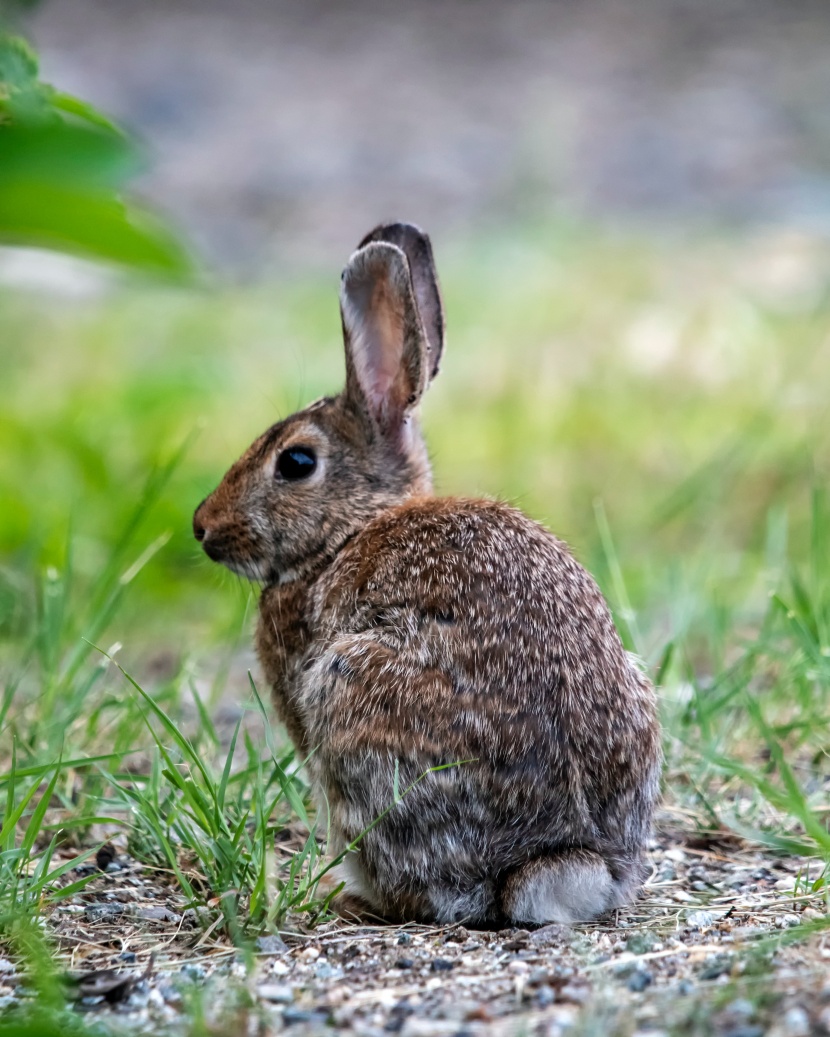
{"type": "Point", "coordinates": [640, 943]}
{"type": "Point", "coordinates": [741, 1008]}
{"type": "Point", "coordinates": [544, 997]}
{"type": "Point", "coordinates": [271, 945]}
{"type": "Point", "coordinates": [310, 953]}
{"type": "Point", "coordinates": [158, 914]}
{"type": "Point", "coordinates": [796, 1022]}
{"type": "Point", "coordinates": [278, 993]}
{"type": "Point", "coordinates": [441, 965]}
{"type": "Point", "coordinates": [404, 939]}
{"type": "Point", "coordinates": [97, 912]}
{"type": "Point", "coordinates": [720, 965]}
{"type": "Point", "coordinates": [299, 1015]}
{"type": "Point", "coordinates": [551, 935]}
{"type": "Point", "coordinates": [127, 956]}
{"type": "Point", "coordinates": [639, 980]}
{"type": "Point", "coordinates": [404, 963]}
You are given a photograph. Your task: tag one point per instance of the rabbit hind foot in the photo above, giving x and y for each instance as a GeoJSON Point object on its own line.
{"type": "Point", "coordinates": [574, 886]}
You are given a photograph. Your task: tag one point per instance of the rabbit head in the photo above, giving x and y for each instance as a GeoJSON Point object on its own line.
{"type": "Point", "coordinates": [312, 480]}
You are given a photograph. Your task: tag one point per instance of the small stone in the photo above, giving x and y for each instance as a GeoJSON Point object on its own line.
{"type": "Point", "coordinates": [685, 987]}
{"type": "Point", "coordinates": [299, 1015]}
{"type": "Point", "coordinates": [702, 919]}
{"type": "Point", "coordinates": [310, 953]}
{"type": "Point", "coordinates": [545, 996]}
{"type": "Point", "coordinates": [640, 943]}
{"type": "Point", "coordinates": [719, 965]}
{"type": "Point", "coordinates": [98, 912]}
{"type": "Point", "coordinates": [551, 936]}
{"type": "Point", "coordinates": [796, 1022]}
{"type": "Point", "coordinates": [404, 939]}
{"type": "Point", "coordinates": [322, 970]}
{"type": "Point", "coordinates": [271, 945]}
{"type": "Point", "coordinates": [441, 965]}
{"type": "Point", "coordinates": [6, 966]}
{"type": "Point", "coordinates": [639, 980]}
{"type": "Point", "coordinates": [740, 1008]}
{"type": "Point", "coordinates": [277, 993]}
{"type": "Point", "coordinates": [788, 921]}
{"type": "Point", "coordinates": [127, 956]}
{"type": "Point", "coordinates": [158, 914]}
{"type": "Point", "coordinates": [404, 963]}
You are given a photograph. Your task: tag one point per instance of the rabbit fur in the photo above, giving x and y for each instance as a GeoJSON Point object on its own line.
{"type": "Point", "coordinates": [446, 649]}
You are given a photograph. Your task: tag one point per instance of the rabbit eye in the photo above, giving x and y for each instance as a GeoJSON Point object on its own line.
{"type": "Point", "coordinates": [297, 462]}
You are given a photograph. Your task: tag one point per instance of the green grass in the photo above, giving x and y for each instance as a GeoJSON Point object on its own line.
{"type": "Point", "coordinates": [661, 404]}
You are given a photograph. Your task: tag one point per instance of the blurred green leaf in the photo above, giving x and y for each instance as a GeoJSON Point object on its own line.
{"type": "Point", "coordinates": [75, 220]}
{"type": "Point", "coordinates": [63, 166]}
{"type": "Point", "coordinates": [62, 153]}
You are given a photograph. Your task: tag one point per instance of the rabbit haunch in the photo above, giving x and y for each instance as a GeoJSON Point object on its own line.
{"type": "Point", "coordinates": [402, 632]}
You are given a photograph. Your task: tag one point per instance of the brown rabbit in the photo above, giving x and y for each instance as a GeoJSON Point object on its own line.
{"type": "Point", "coordinates": [403, 632]}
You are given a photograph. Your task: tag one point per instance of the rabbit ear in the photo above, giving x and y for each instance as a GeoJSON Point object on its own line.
{"type": "Point", "coordinates": [415, 244]}
{"type": "Point", "coordinates": [386, 348]}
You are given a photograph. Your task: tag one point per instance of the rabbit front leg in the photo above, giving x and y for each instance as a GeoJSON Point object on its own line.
{"type": "Point", "coordinates": [282, 638]}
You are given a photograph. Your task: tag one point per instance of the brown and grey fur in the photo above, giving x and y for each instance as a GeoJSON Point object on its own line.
{"type": "Point", "coordinates": [402, 632]}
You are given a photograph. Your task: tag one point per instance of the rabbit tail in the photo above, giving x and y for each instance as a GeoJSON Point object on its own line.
{"type": "Point", "coordinates": [574, 886]}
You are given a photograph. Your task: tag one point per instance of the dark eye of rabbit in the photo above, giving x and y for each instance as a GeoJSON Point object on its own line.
{"type": "Point", "coordinates": [298, 462]}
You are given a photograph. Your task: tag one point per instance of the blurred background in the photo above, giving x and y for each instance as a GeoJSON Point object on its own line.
{"type": "Point", "coordinates": [630, 208]}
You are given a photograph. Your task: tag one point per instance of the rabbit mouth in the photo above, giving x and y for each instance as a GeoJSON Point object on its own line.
{"type": "Point", "coordinates": [256, 572]}
{"type": "Point", "coordinates": [252, 568]}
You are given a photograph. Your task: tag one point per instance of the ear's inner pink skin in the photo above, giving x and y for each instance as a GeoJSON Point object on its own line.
{"type": "Point", "coordinates": [401, 632]}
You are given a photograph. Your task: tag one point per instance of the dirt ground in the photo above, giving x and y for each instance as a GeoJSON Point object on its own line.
{"type": "Point", "coordinates": [707, 949]}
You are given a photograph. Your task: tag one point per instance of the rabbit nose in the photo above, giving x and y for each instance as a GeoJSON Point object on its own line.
{"type": "Point", "coordinates": [199, 529]}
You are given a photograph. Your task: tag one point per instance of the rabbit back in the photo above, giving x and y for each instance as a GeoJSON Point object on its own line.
{"type": "Point", "coordinates": [461, 635]}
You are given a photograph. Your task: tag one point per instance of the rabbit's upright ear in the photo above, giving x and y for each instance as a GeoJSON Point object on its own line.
{"type": "Point", "coordinates": [417, 248]}
{"type": "Point", "coordinates": [386, 347]}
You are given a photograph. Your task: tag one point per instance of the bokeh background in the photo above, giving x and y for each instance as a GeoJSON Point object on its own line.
{"type": "Point", "coordinates": [630, 208]}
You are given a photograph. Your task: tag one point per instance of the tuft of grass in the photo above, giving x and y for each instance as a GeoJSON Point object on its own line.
{"type": "Point", "coordinates": [214, 827]}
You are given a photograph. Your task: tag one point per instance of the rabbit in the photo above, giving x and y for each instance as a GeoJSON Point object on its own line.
{"type": "Point", "coordinates": [450, 674]}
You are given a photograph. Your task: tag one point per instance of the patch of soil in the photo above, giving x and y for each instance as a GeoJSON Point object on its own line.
{"type": "Point", "coordinates": [711, 933]}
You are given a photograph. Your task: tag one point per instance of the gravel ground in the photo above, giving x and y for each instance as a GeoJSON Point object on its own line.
{"type": "Point", "coordinates": [707, 940]}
